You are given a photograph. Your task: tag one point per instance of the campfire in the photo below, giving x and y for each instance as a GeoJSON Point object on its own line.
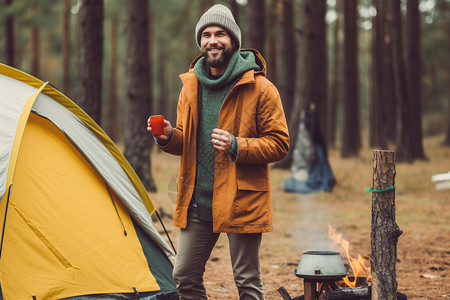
{"type": "Point", "coordinates": [379, 280]}
{"type": "Point", "coordinates": [359, 266]}
{"type": "Point", "coordinates": [334, 274]}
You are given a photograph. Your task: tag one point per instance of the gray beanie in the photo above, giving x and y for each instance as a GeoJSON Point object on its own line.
{"type": "Point", "coordinates": [218, 15]}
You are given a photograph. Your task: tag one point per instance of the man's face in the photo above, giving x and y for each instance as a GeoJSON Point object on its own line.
{"type": "Point", "coordinates": [216, 46]}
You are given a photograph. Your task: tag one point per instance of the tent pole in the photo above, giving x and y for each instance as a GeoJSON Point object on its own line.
{"type": "Point", "coordinates": [164, 227]}
{"type": "Point", "coordinates": [4, 219]}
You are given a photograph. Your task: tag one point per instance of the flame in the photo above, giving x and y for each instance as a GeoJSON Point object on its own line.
{"type": "Point", "coordinates": [357, 265]}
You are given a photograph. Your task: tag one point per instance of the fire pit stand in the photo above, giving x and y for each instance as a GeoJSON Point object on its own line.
{"type": "Point", "coordinates": [320, 270]}
{"type": "Point", "coordinates": [318, 287]}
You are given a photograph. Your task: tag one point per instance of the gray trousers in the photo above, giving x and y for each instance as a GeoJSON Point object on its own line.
{"type": "Point", "coordinates": [195, 245]}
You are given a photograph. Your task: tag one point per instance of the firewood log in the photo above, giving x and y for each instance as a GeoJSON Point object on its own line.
{"type": "Point", "coordinates": [351, 293]}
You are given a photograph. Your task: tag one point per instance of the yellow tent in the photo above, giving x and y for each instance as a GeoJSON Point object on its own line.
{"type": "Point", "coordinates": [75, 217]}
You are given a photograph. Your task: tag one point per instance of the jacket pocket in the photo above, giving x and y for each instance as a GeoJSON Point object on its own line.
{"type": "Point", "coordinates": [251, 204]}
{"type": "Point", "coordinates": [253, 184]}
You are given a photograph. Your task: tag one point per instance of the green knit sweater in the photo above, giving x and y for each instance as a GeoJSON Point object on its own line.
{"type": "Point", "coordinates": [212, 93]}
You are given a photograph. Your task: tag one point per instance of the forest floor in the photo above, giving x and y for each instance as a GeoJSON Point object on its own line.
{"type": "Point", "coordinates": [301, 223]}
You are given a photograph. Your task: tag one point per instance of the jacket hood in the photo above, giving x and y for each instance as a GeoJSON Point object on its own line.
{"type": "Point", "coordinates": [259, 59]}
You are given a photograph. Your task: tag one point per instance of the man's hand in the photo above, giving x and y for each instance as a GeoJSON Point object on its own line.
{"type": "Point", "coordinates": [168, 129]}
{"type": "Point", "coordinates": [221, 140]}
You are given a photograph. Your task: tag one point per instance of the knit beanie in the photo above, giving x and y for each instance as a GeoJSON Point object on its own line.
{"type": "Point", "coordinates": [218, 15]}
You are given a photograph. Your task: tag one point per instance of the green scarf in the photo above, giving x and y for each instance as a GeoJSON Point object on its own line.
{"type": "Point", "coordinates": [240, 62]}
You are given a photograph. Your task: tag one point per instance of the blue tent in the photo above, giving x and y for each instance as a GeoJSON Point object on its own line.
{"type": "Point", "coordinates": [311, 172]}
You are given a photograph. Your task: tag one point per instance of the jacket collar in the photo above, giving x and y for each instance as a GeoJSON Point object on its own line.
{"type": "Point", "coordinates": [190, 81]}
{"type": "Point", "coordinates": [189, 78]}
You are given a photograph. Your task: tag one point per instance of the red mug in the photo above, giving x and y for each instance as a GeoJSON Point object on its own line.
{"type": "Point", "coordinates": [157, 124]}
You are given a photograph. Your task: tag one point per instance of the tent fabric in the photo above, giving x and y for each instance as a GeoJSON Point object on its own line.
{"type": "Point", "coordinates": [10, 115]}
{"type": "Point", "coordinates": [17, 86]}
{"type": "Point", "coordinates": [320, 177]}
{"type": "Point", "coordinates": [76, 223]}
{"type": "Point", "coordinates": [57, 222]}
{"type": "Point", "coordinates": [75, 126]}
{"type": "Point", "coordinates": [159, 264]}
{"type": "Point", "coordinates": [102, 160]}
{"type": "Point", "coordinates": [310, 171]}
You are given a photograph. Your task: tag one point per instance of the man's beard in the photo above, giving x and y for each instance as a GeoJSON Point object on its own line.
{"type": "Point", "coordinates": [220, 61]}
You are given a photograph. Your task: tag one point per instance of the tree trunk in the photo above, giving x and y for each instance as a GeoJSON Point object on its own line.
{"type": "Point", "coordinates": [351, 140]}
{"type": "Point", "coordinates": [234, 7]}
{"type": "Point", "coordinates": [255, 36]}
{"type": "Point", "coordinates": [388, 86]}
{"type": "Point", "coordinates": [273, 28]}
{"type": "Point", "coordinates": [9, 37]}
{"type": "Point", "coordinates": [188, 14]}
{"type": "Point", "coordinates": [336, 78]}
{"type": "Point", "coordinates": [447, 139]}
{"type": "Point", "coordinates": [378, 127]}
{"type": "Point", "coordinates": [384, 230]}
{"type": "Point", "coordinates": [35, 47]}
{"type": "Point", "coordinates": [312, 72]}
{"type": "Point", "coordinates": [89, 73]}
{"type": "Point", "coordinates": [114, 120]}
{"type": "Point", "coordinates": [288, 59]}
{"type": "Point", "coordinates": [66, 47]}
{"type": "Point", "coordinates": [77, 41]}
{"type": "Point", "coordinates": [403, 137]}
{"type": "Point", "coordinates": [137, 64]}
{"type": "Point", "coordinates": [373, 112]}
{"type": "Point", "coordinates": [163, 100]}
{"type": "Point", "coordinates": [414, 72]}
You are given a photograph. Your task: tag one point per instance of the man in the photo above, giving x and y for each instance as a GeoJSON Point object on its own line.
{"type": "Point", "coordinates": [230, 126]}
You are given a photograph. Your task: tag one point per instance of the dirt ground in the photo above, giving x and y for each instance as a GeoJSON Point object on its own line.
{"type": "Point", "coordinates": [301, 223]}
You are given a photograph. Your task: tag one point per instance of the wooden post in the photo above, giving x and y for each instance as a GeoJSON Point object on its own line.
{"type": "Point", "coordinates": [384, 230]}
{"type": "Point", "coordinates": [310, 289]}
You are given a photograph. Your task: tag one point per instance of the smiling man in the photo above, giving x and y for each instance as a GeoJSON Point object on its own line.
{"type": "Point", "coordinates": [230, 126]}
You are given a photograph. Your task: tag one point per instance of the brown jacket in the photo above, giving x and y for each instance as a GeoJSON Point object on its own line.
{"type": "Point", "coordinates": [253, 113]}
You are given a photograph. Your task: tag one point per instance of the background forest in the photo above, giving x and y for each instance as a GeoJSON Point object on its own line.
{"type": "Point", "coordinates": [376, 71]}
